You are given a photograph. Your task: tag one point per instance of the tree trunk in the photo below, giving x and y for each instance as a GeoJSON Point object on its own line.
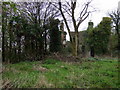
{"type": "Point", "coordinates": [45, 48]}
{"type": "Point", "coordinates": [119, 46]}
{"type": "Point", "coordinates": [10, 42]}
{"type": "Point", "coordinates": [75, 45]}
{"type": "Point", "coordinates": [92, 51]}
{"type": "Point", "coordinates": [4, 24]}
{"type": "Point", "coordinates": [3, 47]}
{"type": "Point", "coordinates": [73, 48]}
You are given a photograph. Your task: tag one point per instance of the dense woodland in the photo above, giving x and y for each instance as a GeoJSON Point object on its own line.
{"type": "Point", "coordinates": [24, 30]}
{"type": "Point", "coordinates": [25, 26]}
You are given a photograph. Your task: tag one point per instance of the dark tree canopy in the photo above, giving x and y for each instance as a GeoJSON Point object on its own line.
{"type": "Point", "coordinates": [55, 36]}
{"type": "Point", "coordinates": [98, 37]}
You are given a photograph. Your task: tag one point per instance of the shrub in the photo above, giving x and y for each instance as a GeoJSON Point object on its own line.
{"type": "Point", "coordinates": [51, 61]}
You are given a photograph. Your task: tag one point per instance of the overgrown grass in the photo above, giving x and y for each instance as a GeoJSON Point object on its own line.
{"type": "Point", "coordinates": [55, 74]}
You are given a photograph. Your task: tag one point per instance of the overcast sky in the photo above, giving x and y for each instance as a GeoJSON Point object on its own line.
{"type": "Point", "coordinates": [103, 7]}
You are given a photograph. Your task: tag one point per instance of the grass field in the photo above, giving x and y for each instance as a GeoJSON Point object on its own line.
{"type": "Point", "coordinates": [91, 73]}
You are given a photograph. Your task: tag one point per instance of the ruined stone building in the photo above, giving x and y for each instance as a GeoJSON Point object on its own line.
{"type": "Point", "coordinates": [82, 38]}
{"type": "Point", "coordinates": [63, 34]}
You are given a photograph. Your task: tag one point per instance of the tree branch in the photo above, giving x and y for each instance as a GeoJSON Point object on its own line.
{"type": "Point", "coordinates": [60, 8]}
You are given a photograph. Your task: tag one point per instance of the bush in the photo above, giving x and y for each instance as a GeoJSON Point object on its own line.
{"type": "Point", "coordinates": [51, 61]}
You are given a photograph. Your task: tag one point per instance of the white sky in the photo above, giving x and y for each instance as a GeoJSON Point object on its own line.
{"type": "Point", "coordinates": [103, 7]}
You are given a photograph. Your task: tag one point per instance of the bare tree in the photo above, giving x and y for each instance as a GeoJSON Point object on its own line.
{"type": "Point", "coordinates": [68, 8]}
{"type": "Point", "coordinates": [115, 15]}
